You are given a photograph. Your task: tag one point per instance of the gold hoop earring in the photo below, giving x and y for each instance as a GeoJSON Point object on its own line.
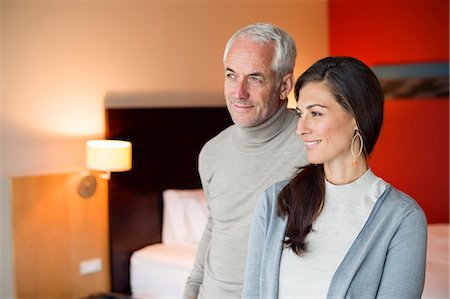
{"type": "Point", "coordinates": [361, 145]}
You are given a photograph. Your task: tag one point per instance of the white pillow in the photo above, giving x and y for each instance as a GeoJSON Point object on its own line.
{"type": "Point", "coordinates": [184, 216]}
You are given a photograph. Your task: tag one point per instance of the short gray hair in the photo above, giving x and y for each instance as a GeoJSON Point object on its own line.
{"type": "Point", "coordinates": [283, 61]}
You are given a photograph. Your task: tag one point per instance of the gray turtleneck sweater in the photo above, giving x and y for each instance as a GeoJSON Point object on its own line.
{"type": "Point", "coordinates": [235, 168]}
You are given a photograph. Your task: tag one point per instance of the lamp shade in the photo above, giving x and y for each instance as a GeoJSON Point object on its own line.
{"type": "Point", "coordinates": [108, 155]}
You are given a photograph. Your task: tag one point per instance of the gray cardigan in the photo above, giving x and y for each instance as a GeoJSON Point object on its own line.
{"type": "Point", "coordinates": [387, 259]}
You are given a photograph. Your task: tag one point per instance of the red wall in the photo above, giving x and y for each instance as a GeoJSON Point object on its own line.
{"type": "Point", "coordinates": [413, 150]}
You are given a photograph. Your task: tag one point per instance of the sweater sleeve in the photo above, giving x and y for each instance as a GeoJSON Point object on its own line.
{"type": "Point", "coordinates": [252, 276]}
{"type": "Point", "coordinates": [404, 269]}
{"type": "Point", "coordinates": [195, 280]}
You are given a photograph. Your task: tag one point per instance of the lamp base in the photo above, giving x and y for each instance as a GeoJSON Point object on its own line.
{"type": "Point", "coordinates": [87, 186]}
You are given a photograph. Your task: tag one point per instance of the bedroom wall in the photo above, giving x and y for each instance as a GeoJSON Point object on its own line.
{"type": "Point", "coordinates": [55, 229]}
{"type": "Point", "coordinates": [413, 150]}
{"type": "Point", "coordinates": [59, 60]}
{"type": "Point", "coordinates": [62, 57]}
{"type": "Point", "coordinates": [6, 279]}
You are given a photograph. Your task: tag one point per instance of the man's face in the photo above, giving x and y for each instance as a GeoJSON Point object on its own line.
{"type": "Point", "coordinates": [251, 90]}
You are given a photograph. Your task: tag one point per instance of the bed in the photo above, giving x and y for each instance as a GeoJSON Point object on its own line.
{"type": "Point", "coordinates": [160, 270]}
{"type": "Point", "coordinates": [437, 275]}
{"type": "Point", "coordinates": [157, 210]}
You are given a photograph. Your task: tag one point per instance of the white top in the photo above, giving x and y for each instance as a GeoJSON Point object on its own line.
{"type": "Point", "coordinates": [346, 210]}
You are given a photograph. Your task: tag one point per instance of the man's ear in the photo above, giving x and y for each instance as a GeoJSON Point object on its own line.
{"type": "Point", "coordinates": [287, 83]}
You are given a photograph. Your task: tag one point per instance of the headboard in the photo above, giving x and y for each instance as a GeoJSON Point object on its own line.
{"type": "Point", "coordinates": [166, 143]}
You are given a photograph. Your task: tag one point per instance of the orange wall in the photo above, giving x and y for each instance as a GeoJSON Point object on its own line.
{"type": "Point", "coordinates": [413, 150]}
{"type": "Point", "coordinates": [60, 59]}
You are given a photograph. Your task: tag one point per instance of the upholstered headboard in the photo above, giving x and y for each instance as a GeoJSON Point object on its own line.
{"type": "Point", "coordinates": [166, 142]}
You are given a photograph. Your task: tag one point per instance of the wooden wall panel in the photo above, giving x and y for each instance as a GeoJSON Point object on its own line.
{"type": "Point", "coordinates": [54, 229]}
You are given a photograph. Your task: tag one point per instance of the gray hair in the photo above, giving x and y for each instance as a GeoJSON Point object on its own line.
{"type": "Point", "coordinates": [283, 61]}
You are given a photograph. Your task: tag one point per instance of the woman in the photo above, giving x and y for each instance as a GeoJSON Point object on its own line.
{"type": "Point", "coordinates": [336, 230]}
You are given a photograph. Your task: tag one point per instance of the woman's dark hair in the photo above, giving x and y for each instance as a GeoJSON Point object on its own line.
{"type": "Point", "coordinates": [356, 88]}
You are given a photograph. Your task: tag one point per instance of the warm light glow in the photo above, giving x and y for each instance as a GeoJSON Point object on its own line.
{"type": "Point", "coordinates": [108, 155]}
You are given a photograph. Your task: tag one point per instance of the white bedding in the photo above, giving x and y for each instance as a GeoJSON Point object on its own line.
{"type": "Point", "coordinates": [160, 270]}
{"type": "Point", "coordinates": [437, 277]}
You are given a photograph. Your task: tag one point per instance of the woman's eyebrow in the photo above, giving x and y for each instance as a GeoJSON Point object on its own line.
{"type": "Point", "coordinates": [315, 105]}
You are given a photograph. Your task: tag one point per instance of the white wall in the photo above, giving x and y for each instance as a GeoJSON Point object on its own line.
{"type": "Point", "coordinates": [60, 58]}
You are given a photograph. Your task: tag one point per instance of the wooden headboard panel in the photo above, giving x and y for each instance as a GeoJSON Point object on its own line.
{"type": "Point", "coordinates": [166, 143]}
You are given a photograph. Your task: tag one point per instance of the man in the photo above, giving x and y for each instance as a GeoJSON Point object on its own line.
{"type": "Point", "coordinates": [238, 164]}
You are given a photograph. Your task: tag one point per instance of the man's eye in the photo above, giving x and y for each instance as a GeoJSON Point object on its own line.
{"type": "Point", "coordinates": [230, 75]}
{"type": "Point", "coordinates": [299, 112]}
{"type": "Point", "coordinates": [256, 79]}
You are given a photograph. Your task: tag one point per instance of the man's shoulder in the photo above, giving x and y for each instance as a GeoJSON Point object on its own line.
{"type": "Point", "coordinates": [218, 141]}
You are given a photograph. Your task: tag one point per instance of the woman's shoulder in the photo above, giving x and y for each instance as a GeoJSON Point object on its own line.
{"type": "Point", "coordinates": [268, 199]}
{"type": "Point", "coordinates": [277, 187]}
{"type": "Point", "coordinates": [399, 198]}
{"type": "Point", "coordinates": [400, 203]}
{"type": "Point", "coordinates": [266, 209]}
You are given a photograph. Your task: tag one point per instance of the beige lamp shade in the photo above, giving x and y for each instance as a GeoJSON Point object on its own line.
{"type": "Point", "coordinates": [108, 155]}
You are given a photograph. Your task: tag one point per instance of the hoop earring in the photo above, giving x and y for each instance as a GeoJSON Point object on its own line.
{"type": "Point", "coordinates": [361, 145]}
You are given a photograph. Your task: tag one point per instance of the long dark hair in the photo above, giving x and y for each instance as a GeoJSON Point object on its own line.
{"type": "Point", "coordinates": [356, 88]}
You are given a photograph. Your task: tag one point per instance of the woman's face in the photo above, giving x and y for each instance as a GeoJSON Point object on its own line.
{"type": "Point", "coordinates": [324, 126]}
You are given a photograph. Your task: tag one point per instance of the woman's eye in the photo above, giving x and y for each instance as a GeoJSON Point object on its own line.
{"type": "Point", "coordinates": [299, 112]}
{"type": "Point", "coordinates": [313, 113]}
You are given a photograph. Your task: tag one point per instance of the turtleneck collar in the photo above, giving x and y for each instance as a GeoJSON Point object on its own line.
{"type": "Point", "coordinates": [251, 138]}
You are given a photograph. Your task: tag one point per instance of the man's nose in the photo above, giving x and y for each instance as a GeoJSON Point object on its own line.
{"type": "Point", "coordinates": [241, 90]}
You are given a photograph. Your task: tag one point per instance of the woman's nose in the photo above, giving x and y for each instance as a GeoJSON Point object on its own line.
{"type": "Point", "coordinates": [302, 126]}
